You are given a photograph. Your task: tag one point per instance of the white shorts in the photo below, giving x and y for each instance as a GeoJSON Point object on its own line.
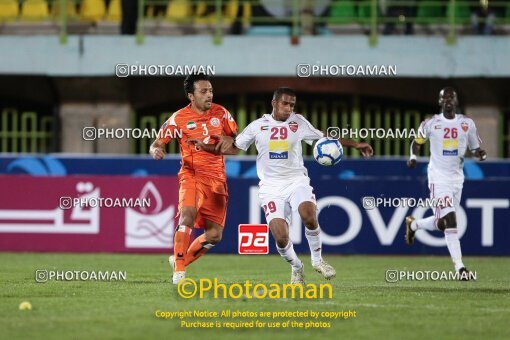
{"type": "Point", "coordinates": [445, 193]}
{"type": "Point", "coordinates": [280, 201]}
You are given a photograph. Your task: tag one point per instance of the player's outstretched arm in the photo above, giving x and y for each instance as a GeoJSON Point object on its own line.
{"type": "Point", "coordinates": [415, 149]}
{"type": "Point", "coordinates": [226, 145]}
{"type": "Point", "coordinates": [365, 148]}
{"type": "Point", "coordinates": [202, 146]}
{"type": "Point", "coordinates": [157, 150]}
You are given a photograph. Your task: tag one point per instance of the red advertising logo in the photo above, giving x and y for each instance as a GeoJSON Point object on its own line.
{"type": "Point", "coordinates": [253, 239]}
{"type": "Point", "coordinates": [87, 213]}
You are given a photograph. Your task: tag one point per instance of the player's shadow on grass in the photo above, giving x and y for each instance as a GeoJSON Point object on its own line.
{"type": "Point", "coordinates": [157, 282]}
{"type": "Point", "coordinates": [456, 290]}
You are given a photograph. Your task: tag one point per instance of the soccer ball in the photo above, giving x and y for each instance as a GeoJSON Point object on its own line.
{"type": "Point", "coordinates": [328, 151]}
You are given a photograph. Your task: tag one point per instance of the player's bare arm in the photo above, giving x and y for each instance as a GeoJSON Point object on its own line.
{"type": "Point", "coordinates": [199, 144]}
{"type": "Point", "coordinates": [225, 145]}
{"type": "Point", "coordinates": [365, 148]}
{"type": "Point", "coordinates": [157, 150]}
{"type": "Point", "coordinates": [415, 150]}
{"type": "Point", "coordinates": [481, 154]}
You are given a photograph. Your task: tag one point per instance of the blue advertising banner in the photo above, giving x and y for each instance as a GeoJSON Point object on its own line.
{"type": "Point", "coordinates": [349, 228]}
{"type": "Point", "coordinates": [236, 166]}
{"type": "Point", "coordinates": [347, 196]}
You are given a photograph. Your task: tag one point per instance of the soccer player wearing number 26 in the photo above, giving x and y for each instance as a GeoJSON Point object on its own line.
{"type": "Point", "coordinates": [284, 182]}
{"type": "Point", "coordinates": [450, 134]}
{"type": "Point", "coordinates": [202, 180]}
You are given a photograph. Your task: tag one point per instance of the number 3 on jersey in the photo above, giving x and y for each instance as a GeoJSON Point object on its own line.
{"type": "Point", "coordinates": [206, 132]}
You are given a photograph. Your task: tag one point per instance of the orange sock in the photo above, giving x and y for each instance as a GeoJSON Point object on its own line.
{"type": "Point", "coordinates": [197, 248]}
{"type": "Point", "coordinates": [181, 242]}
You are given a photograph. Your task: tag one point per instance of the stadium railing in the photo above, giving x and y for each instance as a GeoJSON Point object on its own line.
{"type": "Point", "coordinates": [35, 131]}
{"type": "Point", "coordinates": [26, 131]}
{"type": "Point", "coordinates": [342, 16]}
{"type": "Point", "coordinates": [216, 17]}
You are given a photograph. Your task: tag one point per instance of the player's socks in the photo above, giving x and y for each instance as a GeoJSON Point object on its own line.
{"type": "Point", "coordinates": [290, 256]}
{"type": "Point", "coordinates": [197, 248]}
{"type": "Point", "coordinates": [315, 244]}
{"type": "Point", "coordinates": [425, 223]}
{"type": "Point", "coordinates": [181, 243]}
{"type": "Point", "coordinates": [453, 243]}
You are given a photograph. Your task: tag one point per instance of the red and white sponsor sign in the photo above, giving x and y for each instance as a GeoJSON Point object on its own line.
{"type": "Point", "coordinates": [253, 239]}
{"type": "Point", "coordinates": [32, 217]}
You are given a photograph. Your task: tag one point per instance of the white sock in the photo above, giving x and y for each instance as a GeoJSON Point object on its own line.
{"type": "Point", "coordinates": [425, 223]}
{"type": "Point", "coordinates": [453, 243]}
{"type": "Point", "coordinates": [289, 255]}
{"type": "Point", "coordinates": [315, 244]}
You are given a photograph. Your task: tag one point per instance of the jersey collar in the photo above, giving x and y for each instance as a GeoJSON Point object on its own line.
{"type": "Point", "coordinates": [190, 109]}
{"type": "Point", "coordinates": [441, 115]}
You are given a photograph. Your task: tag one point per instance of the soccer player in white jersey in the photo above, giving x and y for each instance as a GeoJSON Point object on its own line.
{"type": "Point", "coordinates": [284, 182]}
{"type": "Point", "coordinates": [450, 135]}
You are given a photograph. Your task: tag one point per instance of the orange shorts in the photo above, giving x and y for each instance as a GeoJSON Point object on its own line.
{"type": "Point", "coordinates": [208, 195]}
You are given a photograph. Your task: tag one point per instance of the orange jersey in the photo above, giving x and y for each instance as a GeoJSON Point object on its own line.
{"type": "Point", "coordinates": [192, 125]}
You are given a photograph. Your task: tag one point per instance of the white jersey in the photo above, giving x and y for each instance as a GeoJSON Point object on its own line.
{"type": "Point", "coordinates": [280, 156]}
{"type": "Point", "coordinates": [449, 139]}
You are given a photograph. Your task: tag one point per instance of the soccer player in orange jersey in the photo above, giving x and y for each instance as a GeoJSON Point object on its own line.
{"type": "Point", "coordinates": [203, 191]}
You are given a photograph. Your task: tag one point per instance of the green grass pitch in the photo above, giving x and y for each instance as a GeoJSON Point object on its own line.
{"type": "Point", "coordinates": [126, 309]}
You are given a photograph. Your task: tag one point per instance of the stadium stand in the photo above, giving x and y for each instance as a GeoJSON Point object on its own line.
{"type": "Point", "coordinates": [182, 17]}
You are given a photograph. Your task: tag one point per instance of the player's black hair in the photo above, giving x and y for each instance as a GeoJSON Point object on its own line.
{"type": "Point", "coordinates": [447, 88]}
{"type": "Point", "coordinates": [443, 90]}
{"type": "Point", "coordinates": [189, 82]}
{"type": "Point", "coordinates": [283, 90]}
